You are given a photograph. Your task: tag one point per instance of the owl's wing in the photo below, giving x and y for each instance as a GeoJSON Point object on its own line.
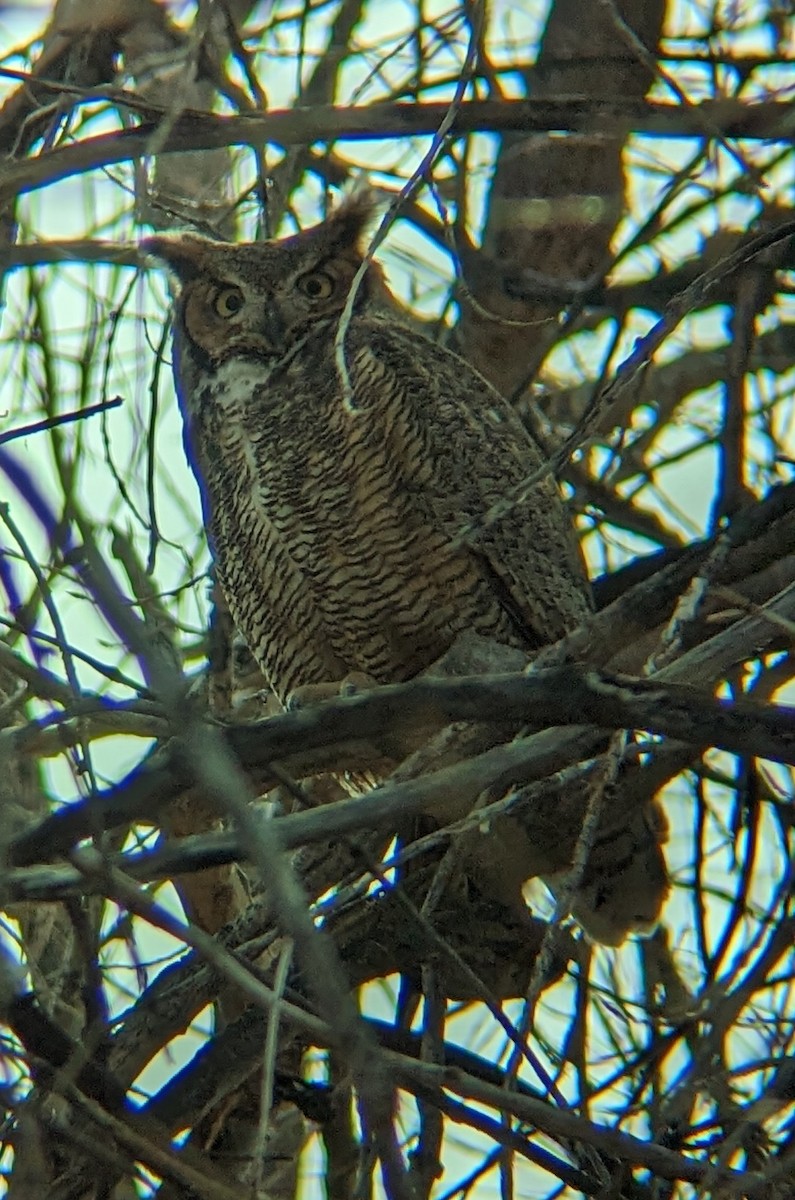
{"type": "Point", "coordinates": [464, 450]}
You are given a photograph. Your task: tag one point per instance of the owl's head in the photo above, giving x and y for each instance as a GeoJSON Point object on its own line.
{"type": "Point", "coordinates": [258, 298]}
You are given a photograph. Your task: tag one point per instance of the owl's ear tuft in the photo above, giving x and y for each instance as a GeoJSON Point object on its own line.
{"type": "Point", "coordinates": [183, 253]}
{"type": "Point", "coordinates": [346, 225]}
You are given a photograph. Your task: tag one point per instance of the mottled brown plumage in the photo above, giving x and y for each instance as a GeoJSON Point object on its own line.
{"type": "Point", "coordinates": [334, 523]}
{"type": "Point", "coordinates": [335, 515]}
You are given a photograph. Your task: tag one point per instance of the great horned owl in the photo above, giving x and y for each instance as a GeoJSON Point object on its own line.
{"type": "Point", "coordinates": [335, 507]}
{"type": "Point", "coordinates": [335, 523]}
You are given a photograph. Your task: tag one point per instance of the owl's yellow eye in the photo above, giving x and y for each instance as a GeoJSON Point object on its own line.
{"type": "Point", "coordinates": [228, 302]}
{"type": "Point", "coordinates": [317, 285]}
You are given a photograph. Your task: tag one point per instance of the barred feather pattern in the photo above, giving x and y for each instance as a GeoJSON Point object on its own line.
{"type": "Point", "coordinates": [334, 525]}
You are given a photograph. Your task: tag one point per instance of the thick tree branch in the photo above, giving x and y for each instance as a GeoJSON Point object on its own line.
{"type": "Point", "coordinates": [558, 696]}
{"type": "Point", "coordinates": [196, 130]}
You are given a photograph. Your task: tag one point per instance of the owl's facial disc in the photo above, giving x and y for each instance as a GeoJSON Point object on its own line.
{"type": "Point", "coordinates": [226, 319]}
{"type": "Point", "coordinates": [248, 312]}
{"type": "Point", "coordinates": [260, 299]}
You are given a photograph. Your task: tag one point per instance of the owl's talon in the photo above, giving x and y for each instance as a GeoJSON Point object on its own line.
{"type": "Point", "coordinates": [311, 693]}
{"type": "Point", "coordinates": [316, 693]}
{"type": "Point", "coordinates": [355, 682]}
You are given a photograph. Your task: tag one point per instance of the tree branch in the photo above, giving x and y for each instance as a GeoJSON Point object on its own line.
{"type": "Point", "coordinates": [196, 130]}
